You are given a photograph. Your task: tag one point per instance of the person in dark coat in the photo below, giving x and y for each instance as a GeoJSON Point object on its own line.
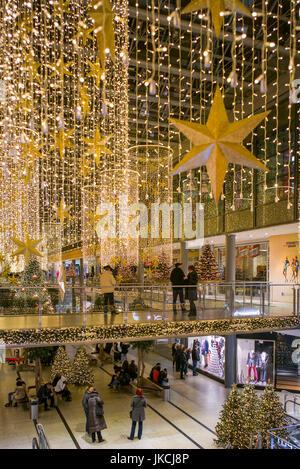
{"type": "Point", "coordinates": [96, 416]}
{"type": "Point", "coordinates": [132, 370]}
{"type": "Point", "coordinates": [85, 406]}
{"type": "Point", "coordinates": [174, 349]}
{"type": "Point", "coordinates": [195, 358]}
{"type": "Point", "coordinates": [177, 279]}
{"type": "Point", "coordinates": [187, 352]}
{"type": "Point", "coordinates": [178, 353]}
{"type": "Point", "coordinates": [137, 414]}
{"type": "Point", "coordinates": [183, 361]}
{"type": "Point", "coordinates": [192, 279]}
{"type": "Point", "coordinates": [44, 394]}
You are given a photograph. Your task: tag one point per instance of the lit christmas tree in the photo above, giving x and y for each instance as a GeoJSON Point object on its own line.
{"type": "Point", "coordinates": [207, 267]}
{"type": "Point", "coordinates": [61, 363]}
{"type": "Point", "coordinates": [229, 427]}
{"type": "Point", "coordinates": [81, 372]}
{"type": "Point", "coordinates": [249, 411]}
{"type": "Point", "coordinates": [34, 293]}
{"type": "Point", "coordinates": [71, 272]}
{"type": "Point", "coordinates": [162, 268]}
{"type": "Point", "coordinates": [271, 414]}
{"type": "Point", "coordinates": [126, 271]}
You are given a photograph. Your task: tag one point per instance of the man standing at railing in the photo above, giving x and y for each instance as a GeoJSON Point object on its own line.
{"type": "Point", "coordinates": [178, 279]}
{"type": "Point", "coordinates": [107, 284]}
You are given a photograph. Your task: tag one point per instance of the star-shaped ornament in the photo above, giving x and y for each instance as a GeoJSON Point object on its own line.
{"type": "Point", "coordinates": [98, 146]}
{"type": "Point", "coordinates": [61, 68]}
{"type": "Point", "coordinates": [218, 143]}
{"type": "Point", "coordinates": [62, 141]}
{"type": "Point", "coordinates": [83, 33]}
{"type": "Point", "coordinates": [31, 151]}
{"type": "Point", "coordinates": [27, 248]}
{"type": "Point", "coordinates": [103, 16]}
{"type": "Point", "coordinates": [217, 9]}
{"type": "Point", "coordinates": [62, 211]}
{"type": "Point", "coordinates": [96, 71]}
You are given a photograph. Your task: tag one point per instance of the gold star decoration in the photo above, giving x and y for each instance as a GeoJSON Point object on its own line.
{"type": "Point", "coordinates": [96, 71]}
{"type": "Point", "coordinates": [27, 248]}
{"type": "Point", "coordinates": [61, 68]}
{"type": "Point", "coordinates": [62, 211]}
{"type": "Point", "coordinates": [31, 151]}
{"type": "Point", "coordinates": [103, 16]}
{"type": "Point", "coordinates": [218, 143]}
{"type": "Point", "coordinates": [83, 33]}
{"type": "Point", "coordinates": [84, 100]}
{"type": "Point", "coordinates": [98, 145]}
{"type": "Point", "coordinates": [32, 67]}
{"type": "Point", "coordinates": [25, 103]}
{"type": "Point", "coordinates": [217, 7]}
{"type": "Point", "coordinates": [94, 218]}
{"type": "Point", "coordinates": [62, 141]}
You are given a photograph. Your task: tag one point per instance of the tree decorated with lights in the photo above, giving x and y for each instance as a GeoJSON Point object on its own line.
{"type": "Point", "coordinates": [34, 293]}
{"type": "Point", "coordinates": [271, 414]}
{"type": "Point", "coordinates": [207, 267]}
{"type": "Point", "coordinates": [162, 268]}
{"type": "Point", "coordinates": [81, 372]}
{"type": "Point", "coordinates": [61, 363]}
{"type": "Point", "coordinates": [249, 411]}
{"type": "Point", "coordinates": [229, 427]}
{"type": "Point", "coordinates": [126, 271]}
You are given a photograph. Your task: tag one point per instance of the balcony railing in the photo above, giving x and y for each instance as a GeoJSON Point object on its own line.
{"type": "Point", "coordinates": [215, 300]}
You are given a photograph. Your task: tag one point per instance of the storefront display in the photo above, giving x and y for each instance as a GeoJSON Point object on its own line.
{"type": "Point", "coordinates": [288, 362]}
{"type": "Point", "coordinates": [212, 354]}
{"type": "Point", "coordinates": [255, 361]}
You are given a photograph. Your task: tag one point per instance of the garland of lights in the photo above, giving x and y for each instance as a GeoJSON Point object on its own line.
{"type": "Point", "coordinates": [143, 331]}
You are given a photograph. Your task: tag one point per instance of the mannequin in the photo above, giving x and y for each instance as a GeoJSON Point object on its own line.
{"type": "Point", "coordinates": [252, 364]}
{"type": "Point", "coordinates": [263, 364]}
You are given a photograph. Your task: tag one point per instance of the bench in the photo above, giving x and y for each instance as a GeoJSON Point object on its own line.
{"type": "Point", "coordinates": [148, 385]}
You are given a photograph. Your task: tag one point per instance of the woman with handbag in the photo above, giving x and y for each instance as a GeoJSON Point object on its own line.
{"type": "Point", "coordinates": [137, 414]}
{"type": "Point", "coordinates": [96, 416]}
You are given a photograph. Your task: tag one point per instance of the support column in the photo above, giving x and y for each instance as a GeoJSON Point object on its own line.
{"type": "Point", "coordinates": [230, 360]}
{"type": "Point", "coordinates": [230, 340]}
{"type": "Point", "coordinates": [184, 256]}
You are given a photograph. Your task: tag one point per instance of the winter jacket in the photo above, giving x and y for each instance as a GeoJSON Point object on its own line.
{"type": "Point", "coordinates": [19, 393]}
{"type": "Point", "coordinates": [177, 277]}
{"type": "Point", "coordinates": [192, 279]}
{"type": "Point", "coordinates": [107, 282]}
{"type": "Point", "coordinates": [96, 423]}
{"type": "Point", "coordinates": [195, 355]}
{"type": "Point", "coordinates": [85, 400]}
{"type": "Point", "coordinates": [60, 385]}
{"type": "Point", "coordinates": [138, 405]}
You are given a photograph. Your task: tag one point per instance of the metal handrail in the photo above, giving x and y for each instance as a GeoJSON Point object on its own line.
{"type": "Point", "coordinates": [35, 444]}
{"type": "Point", "coordinates": [43, 441]}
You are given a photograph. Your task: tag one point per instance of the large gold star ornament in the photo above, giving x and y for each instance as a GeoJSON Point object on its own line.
{"type": "Point", "coordinates": [103, 16]}
{"type": "Point", "coordinates": [218, 143]}
{"type": "Point", "coordinates": [62, 211]}
{"type": "Point", "coordinates": [27, 248]}
{"type": "Point", "coordinates": [217, 9]}
{"type": "Point", "coordinates": [98, 146]}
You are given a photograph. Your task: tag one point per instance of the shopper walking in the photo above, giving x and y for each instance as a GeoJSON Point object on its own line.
{"type": "Point", "coordinates": [192, 281]}
{"type": "Point", "coordinates": [85, 406]}
{"type": "Point", "coordinates": [177, 279]}
{"type": "Point", "coordinates": [96, 416]}
{"type": "Point", "coordinates": [183, 361]}
{"type": "Point", "coordinates": [174, 350]}
{"type": "Point", "coordinates": [137, 414]}
{"type": "Point", "coordinates": [107, 284]}
{"type": "Point", "coordinates": [195, 358]}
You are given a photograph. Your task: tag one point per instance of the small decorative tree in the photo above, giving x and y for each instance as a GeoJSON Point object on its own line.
{"type": "Point", "coordinates": [207, 267]}
{"type": "Point", "coordinates": [229, 427]}
{"type": "Point", "coordinates": [81, 372]}
{"type": "Point", "coordinates": [249, 410]}
{"type": "Point", "coordinates": [162, 268]}
{"type": "Point", "coordinates": [126, 271]}
{"type": "Point", "coordinates": [61, 363]}
{"type": "Point", "coordinates": [270, 414]}
{"type": "Point", "coordinates": [142, 348]}
{"type": "Point", "coordinates": [34, 292]}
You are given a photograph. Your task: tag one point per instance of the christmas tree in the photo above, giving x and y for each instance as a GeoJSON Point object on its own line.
{"type": "Point", "coordinates": [34, 294]}
{"type": "Point", "coordinates": [71, 272]}
{"type": "Point", "coordinates": [271, 414]}
{"type": "Point", "coordinates": [162, 268]}
{"type": "Point", "coordinates": [61, 363]}
{"type": "Point", "coordinates": [81, 372]}
{"type": "Point", "coordinates": [126, 271]}
{"type": "Point", "coordinates": [249, 410]}
{"type": "Point", "coordinates": [229, 427]}
{"type": "Point", "coordinates": [207, 267]}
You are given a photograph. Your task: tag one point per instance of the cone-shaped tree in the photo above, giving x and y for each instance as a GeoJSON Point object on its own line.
{"type": "Point", "coordinates": [82, 374]}
{"type": "Point", "coordinates": [229, 427]}
{"type": "Point", "coordinates": [249, 410]}
{"type": "Point", "coordinates": [162, 268]}
{"type": "Point", "coordinates": [271, 414]}
{"type": "Point", "coordinates": [207, 267]}
{"type": "Point", "coordinates": [61, 363]}
{"type": "Point", "coordinates": [34, 294]}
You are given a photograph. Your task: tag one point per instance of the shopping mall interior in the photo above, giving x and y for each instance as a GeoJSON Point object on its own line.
{"type": "Point", "coordinates": [149, 239]}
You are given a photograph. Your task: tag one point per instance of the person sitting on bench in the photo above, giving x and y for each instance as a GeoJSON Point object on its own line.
{"type": "Point", "coordinates": [44, 394]}
{"type": "Point", "coordinates": [19, 394]}
{"type": "Point", "coordinates": [61, 388]}
{"type": "Point", "coordinates": [152, 371]}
